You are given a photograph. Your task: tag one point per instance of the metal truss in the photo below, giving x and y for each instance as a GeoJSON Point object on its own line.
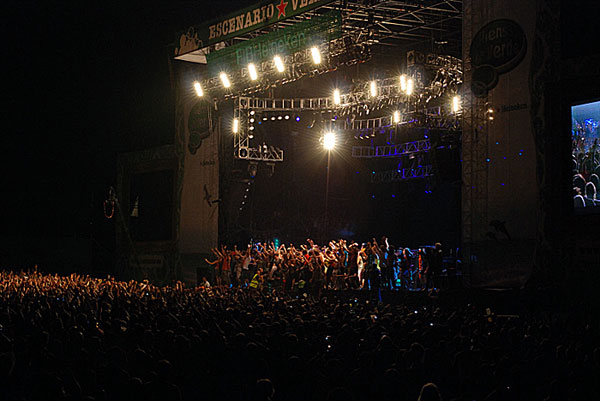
{"type": "Point", "coordinates": [391, 150]}
{"type": "Point", "coordinates": [242, 147]}
{"type": "Point", "coordinates": [402, 175]}
{"type": "Point", "coordinates": [474, 155]}
{"type": "Point", "coordinates": [296, 105]}
{"type": "Point", "coordinates": [261, 153]}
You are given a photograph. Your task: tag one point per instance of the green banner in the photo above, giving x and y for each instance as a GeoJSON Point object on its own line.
{"type": "Point", "coordinates": [313, 32]}
{"type": "Point", "coordinates": [242, 22]}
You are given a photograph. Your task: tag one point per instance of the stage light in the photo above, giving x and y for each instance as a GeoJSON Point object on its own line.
{"type": "Point", "coordinates": [251, 128]}
{"type": "Point", "coordinates": [252, 112]}
{"type": "Point", "coordinates": [329, 141]}
{"type": "Point", "coordinates": [225, 80]}
{"type": "Point", "coordinates": [250, 136]}
{"type": "Point", "coordinates": [273, 118]}
{"type": "Point", "coordinates": [337, 99]}
{"type": "Point", "coordinates": [373, 90]}
{"type": "Point", "coordinates": [490, 110]}
{"type": "Point", "coordinates": [396, 117]}
{"type": "Point", "coordinates": [316, 55]}
{"type": "Point", "coordinates": [287, 117]}
{"type": "Point", "coordinates": [410, 86]}
{"type": "Point", "coordinates": [198, 89]}
{"type": "Point", "coordinates": [278, 63]}
{"type": "Point", "coordinates": [279, 117]}
{"type": "Point", "coordinates": [236, 126]}
{"type": "Point", "coordinates": [403, 83]}
{"type": "Point", "coordinates": [252, 72]}
{"type": "Point", "coordinates": [297, 118]}
{"type": "Point", "coordinates": [265, 118]}
{"type": "Point", "coordinates": [251, 120]}
{"type": "Point", "coordinates": [455, 104]}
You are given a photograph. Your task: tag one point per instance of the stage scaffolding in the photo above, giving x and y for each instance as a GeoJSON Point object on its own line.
{"type": "Point", "coordinates": [391, 150]}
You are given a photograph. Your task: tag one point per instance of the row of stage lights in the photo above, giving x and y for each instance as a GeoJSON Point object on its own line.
{"type": "Point", "coordinates": [253, 73]}
{"type": "Point", "coordinates": [396, 117]}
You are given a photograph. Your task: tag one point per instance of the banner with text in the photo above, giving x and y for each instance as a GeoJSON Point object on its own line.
{"type": "Point", "coordinates": [241, 22]}
{"type": "Point", "coordinates": [313, 32]}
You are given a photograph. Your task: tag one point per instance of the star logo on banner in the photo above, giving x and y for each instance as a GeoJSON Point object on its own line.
{"type": "Point", "coordinates": [281, 8]}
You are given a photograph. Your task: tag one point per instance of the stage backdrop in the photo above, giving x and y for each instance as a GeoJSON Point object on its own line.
{"type": "Point", "coordinates": [500, 190]}
{"type": "Point", "coordinates": [198, 137]}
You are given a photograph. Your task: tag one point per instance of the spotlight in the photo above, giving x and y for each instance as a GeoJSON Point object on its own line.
{"type": "Point", "coordinates": [198, 89]}
{"type": "Point", "coordinates": [236, 125]}
{"type": "Point", "coordinates": [403, 83]}
{"type": "Point", "coordinates": [316, 55]}
{"type": "Point", "coordinates": [297, 118]}
{"type": "Point", "coordinates": [410, 86]}
{"type": "Point", "coordinates": [225, 80]}
{"type": "Point", "coordinates": [265, 118]}
{"type": "Point", "coordinates": [455, 104]}
{"type": "Point", "coordinates": [336, 97]}
{"type": "Point", "coordinates": [287, 117]}
{"type": "Point", "coordinates": [279, 117]}
{"type": "Point", "coordinates": [252, 112]}
{"type": "Point", "coordinates": [373, 89]}
{"type": "Point", "coordinates": [250, 136]}
{"type": "Point", "coordinates": [273, 118]}
{"type": "Point", "coordinates": [252, 72]}
{"type": "Point", "coordinates": [396, 117]}
{"type": "Point", "coordinates": [252, 120]}
{"type": "Point", "coordinates": [278, 63]}
{"type": "Point", "coordinates": [329, 141]}
{"type": "Point", "coordinates": [251, 128]}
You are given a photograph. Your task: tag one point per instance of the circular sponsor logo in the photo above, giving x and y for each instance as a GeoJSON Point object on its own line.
{"type": "Point", "coordinates": [501, 44]}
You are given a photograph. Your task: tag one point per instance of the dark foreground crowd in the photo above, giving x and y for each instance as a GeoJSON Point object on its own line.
{"type": "Point", "coordinates": [82, 338]}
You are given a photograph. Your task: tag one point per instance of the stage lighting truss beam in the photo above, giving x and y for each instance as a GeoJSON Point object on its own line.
{"type": "Point", "coordinates": [402, 175]}
{"type": "Point", "coordinates": [391, 150]}
{"type": "Point", "coordinates": [242, 147]}
{"type": "Point", "coordinates": [283, 105]}
{"type": "Point", "coordinates": [259, 154]}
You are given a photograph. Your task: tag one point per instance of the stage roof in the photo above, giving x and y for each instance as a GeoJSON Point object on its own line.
{"type": "Point", "coordinates": [388, 24]}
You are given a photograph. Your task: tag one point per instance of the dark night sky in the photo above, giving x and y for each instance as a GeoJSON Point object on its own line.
{"type": "Point", "coordinates": [84, 81]}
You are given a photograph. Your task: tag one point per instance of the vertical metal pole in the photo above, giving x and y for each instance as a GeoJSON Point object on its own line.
{"type": "Point", "coordinates": [327, 194]}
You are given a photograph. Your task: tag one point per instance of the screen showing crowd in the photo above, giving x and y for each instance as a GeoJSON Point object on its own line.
{"type": "Point", "coordinates": [586, 156]}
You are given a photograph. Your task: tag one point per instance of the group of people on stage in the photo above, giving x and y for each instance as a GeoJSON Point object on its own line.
{"type": "Point", "coordinates": [337, 265]}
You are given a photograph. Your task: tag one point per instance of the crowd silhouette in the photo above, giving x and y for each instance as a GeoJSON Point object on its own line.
{"type": "Point", "coordinates": [84, 338]}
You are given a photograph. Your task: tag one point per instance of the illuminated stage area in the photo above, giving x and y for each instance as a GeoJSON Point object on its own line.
{"type": "Point", "coordinates": [424, 123]}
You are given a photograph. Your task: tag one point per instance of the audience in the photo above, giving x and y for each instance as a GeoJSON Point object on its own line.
{"type": "Point", "coordinates": [84, 338]}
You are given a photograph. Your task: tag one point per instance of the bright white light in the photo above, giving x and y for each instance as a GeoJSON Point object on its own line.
{"type": "Point", "coordinates": [329, 141]}
{"type": "Point", "coordinates": [287, 117]}
{"type": "Point", "coordinates": [278, 63]}
{"type": "Point", "coordinates": [252, 112]}
{"type": "Point", "coordinates": [316, 55]}
{"type": "Point", "coordinates": [403, 83]}
{"type": "Point", "coordinates": [337, 99]}
{"type": "Point", "coordinates": [252, 120]}
{"type": "Point", "coordinates": [410, 84]}
{"type": "Point", "coordinates": [198, 89]}
{"type": "Point", "coordinates": [279, 117]}
{"type": "Point", "coordinates": [396, 117]}
{"type": "Point", "coordinates": [236, 125]}
{"type": "Point", "coordinates": [373, 89]}
{"type": "Point", "coordinates": [273, 118]}
{"type": "Point", "coordinates": [252, 72]}
{"type": "Point", "coordinates": [455, 104]}
{"type": "Point", "coordinates": [225, 80]}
